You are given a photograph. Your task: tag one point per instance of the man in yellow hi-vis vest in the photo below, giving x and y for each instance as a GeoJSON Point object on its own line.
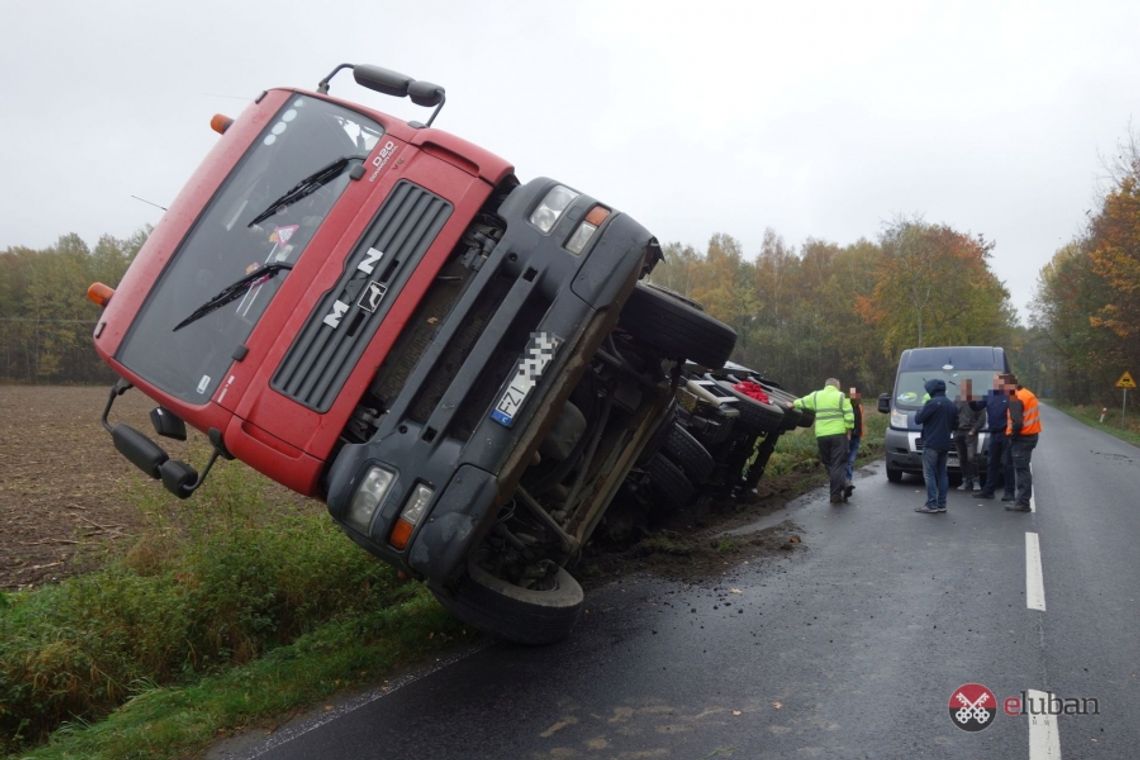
{"type": "Point", "coordinates": [834, 421]}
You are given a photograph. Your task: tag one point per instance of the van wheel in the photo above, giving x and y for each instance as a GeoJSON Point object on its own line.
{"type": "Point", "coordinates": [894, 475]}
{"type": "Point", "coordinates": [666, 322]}
{"type": "Point", "coordinates": [511, 612]}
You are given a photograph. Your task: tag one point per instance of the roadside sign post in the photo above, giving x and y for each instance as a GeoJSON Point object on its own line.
{"type": "Point", "coordinates": [1125, 383]}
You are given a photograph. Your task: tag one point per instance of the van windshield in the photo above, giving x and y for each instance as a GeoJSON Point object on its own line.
{"type": "Point", "coordinates": [212, 292]}
{"type": "Point", "coordinates": [910, 390]}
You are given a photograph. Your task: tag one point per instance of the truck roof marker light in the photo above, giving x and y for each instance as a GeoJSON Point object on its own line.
{"type": "Point", "coordinates": [100, 294]}
{"type": "Point", "coordinates": [220, 123]}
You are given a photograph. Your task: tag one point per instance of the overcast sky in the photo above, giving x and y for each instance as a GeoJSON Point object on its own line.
{"type": "Point", "coordinates": [817, 119]}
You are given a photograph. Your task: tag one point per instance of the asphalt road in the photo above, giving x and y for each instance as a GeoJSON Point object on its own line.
{"type": "Point", "coordinates": [851, 647]}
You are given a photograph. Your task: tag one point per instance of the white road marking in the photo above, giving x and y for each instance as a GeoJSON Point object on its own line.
{"type": "Point", "coordinates": [1032, 501]}
{"type": "Point", "coordinates": [1034, 582]}
{"type": "Point", "coordinates": [1044, 740]}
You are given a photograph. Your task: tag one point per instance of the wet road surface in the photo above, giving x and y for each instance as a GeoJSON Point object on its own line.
{"type": "Point", "coordinates": [850, 647]}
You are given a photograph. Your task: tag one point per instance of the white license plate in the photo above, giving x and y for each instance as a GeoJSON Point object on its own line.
{"type": "Point", "coordinates": [536, 358]}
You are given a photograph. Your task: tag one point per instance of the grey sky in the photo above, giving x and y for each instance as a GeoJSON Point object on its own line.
{"type": "Point", "coordinates": [817, 119]}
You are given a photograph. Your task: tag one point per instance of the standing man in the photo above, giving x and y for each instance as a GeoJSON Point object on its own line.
{"type": "Point", "coordinates": [999, 470]}
{"type": "Point", "coordinates": [971, 420]}
{"type": "Point", "coordinates": [834, 421]}
{"type": "Point", "coordinates": [853, 444]}
{"type": "Point", "coordinates": [1023, 428]}
{"type": "Point", "coordinates": [938, 417]}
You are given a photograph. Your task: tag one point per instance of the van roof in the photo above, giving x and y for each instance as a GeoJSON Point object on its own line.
{"type": "Point", "coordinates": [962, 357]}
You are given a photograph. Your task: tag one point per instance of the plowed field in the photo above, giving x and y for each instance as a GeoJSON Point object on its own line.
{"type": "Point", "coordinates": [63, 496]}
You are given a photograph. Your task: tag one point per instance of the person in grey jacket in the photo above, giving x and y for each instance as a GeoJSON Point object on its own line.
{"type": "Point", "coordinates": [938, 417]}
{"type": "Point", "coordinates": [971, 421]}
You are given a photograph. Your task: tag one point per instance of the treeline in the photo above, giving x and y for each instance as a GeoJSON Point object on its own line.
{"type": "Point", "coordinates": [1086, 316]}
{"type": "Point", "coordinates": [820, 310]}
{"type": "Point", "coordinates": [801, 314]}
{"type": "Point", "coordinates": [45, 318]}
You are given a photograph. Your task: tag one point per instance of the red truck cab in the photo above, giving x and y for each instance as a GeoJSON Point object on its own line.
{"type": "Point", "coordinates": [379, 315]}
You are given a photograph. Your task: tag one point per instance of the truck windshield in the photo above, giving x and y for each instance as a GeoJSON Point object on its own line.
{"type": "Point", "coordinates": [263, 215]}
{"type": "Point", "coordinates": [910, 389]}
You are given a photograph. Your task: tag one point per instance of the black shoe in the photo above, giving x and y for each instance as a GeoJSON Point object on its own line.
{"type": "Point", "coordinates": [1018, 508]}
{"type": "Point", "coordinates": [1009, 498]}
{"type": "Point", "coordinates": [847, 491]}
{"type": "Point", "coordinates": [984, 495]}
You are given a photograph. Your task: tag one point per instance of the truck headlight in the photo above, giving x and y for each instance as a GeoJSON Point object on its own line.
{"type": "Point", "coordinates": [368, 497]}
{"type": "Point", "coordinates": [586, 229]}
{"type": "Point", "coordinates": [553, 204]}
{"type": "Point", "coordinates": [898, 419]}
{"type": "Point", "coordinates": [410, 515]}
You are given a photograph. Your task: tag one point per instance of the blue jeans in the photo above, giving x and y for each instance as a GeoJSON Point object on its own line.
{"type": "Point", "coordinates": [852, 452]}
{"type": "Point", "coordinates": [937, 477]}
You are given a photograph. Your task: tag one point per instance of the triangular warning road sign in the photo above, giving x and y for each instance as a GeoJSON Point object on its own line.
{"type": "Point", "coordinates": [1126, 381]}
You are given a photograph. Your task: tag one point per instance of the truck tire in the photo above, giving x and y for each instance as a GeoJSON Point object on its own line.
{"type": "Point", "coordinates": [685, 450]}
{"type": "Point", "coordinates": [514, 613]}
{"type": "Point", "coordinates": [894, 475]}
{"type": "Point", "coordinates": [669, 482]}
{"type": "Point", "coordinates": [755, 415]}
{"type": "Point", "coordinates": [666, 322]}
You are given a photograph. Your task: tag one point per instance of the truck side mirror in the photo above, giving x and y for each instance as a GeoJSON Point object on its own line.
{"type": "Point", "coordinates": [885, 403]}
{"type": "Point", "coordinates": [167, 423]}
{"type": "Point", "coordinates": [388, 82]}
{"type": "Point", "coordinates": [382, 80]}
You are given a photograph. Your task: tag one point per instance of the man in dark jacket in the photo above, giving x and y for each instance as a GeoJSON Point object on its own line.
{"type": "Point", "coordinates": [971, 420]}
{"type": "Point", "coordinates": [1000, 464]}
{"type": "Point", "coordinates": [938, 418]}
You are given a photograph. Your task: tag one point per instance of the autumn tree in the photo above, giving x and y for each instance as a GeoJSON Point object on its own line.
{"type": "Point", "coordinates": [45, 318]}
{"type": "Point", "coordinates": [935, 287]}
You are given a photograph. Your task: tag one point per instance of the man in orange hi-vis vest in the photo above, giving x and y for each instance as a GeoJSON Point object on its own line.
{"type": "Point", "coordinates": [1023, 425]}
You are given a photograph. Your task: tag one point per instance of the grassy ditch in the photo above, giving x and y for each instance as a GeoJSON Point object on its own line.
{"type": "Point", "coordinates": [227, 611]}
{"type": "Point", "coordinates": [797, 452]}
{"type": "Point", "coordinates": [1127, 429]}
{"type": "Point", "coordinates": [242, 606]}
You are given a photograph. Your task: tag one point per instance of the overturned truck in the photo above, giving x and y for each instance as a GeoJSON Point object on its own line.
{"type": "Point", "coordinates": [378, 314]}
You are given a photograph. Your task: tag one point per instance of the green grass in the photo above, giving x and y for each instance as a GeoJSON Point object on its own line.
{"type": "Point", "coordinates": [226, 611]}
{"type": "Point", "coordinates": [797, 452]}
{"type": "Point", "coordinates": [231, 610]}
{"type": "Point", "coordinates": [1126, 430]}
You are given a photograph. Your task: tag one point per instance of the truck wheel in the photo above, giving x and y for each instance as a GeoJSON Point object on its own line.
{"type": "Point", "coordinates": [755, 415]}
{"type": "Point", "coordinates": [669, 482]}
{"type": "Point", "coordinates": [522, 615]}
{"type": "Point", "coordinates": [894, 475]}
{"type": "Point", "coordinates": [666, 322]}
{"type": "Point", "coordinates": [685, 450]}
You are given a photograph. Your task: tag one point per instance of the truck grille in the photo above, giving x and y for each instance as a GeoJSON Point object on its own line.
{"type": "Point", "coordinates": [329, 345]}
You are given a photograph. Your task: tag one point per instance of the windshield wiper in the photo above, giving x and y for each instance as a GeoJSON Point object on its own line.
{"type": "Point", "coordinates": [306, 187]}
{"type": "Point", "coordinates": [233, 292]}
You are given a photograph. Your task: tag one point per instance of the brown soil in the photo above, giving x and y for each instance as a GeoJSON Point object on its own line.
{"type": "Point", "coordinates": [64, 490]}
{"type": "Point", "coordinates": [67, 497]}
